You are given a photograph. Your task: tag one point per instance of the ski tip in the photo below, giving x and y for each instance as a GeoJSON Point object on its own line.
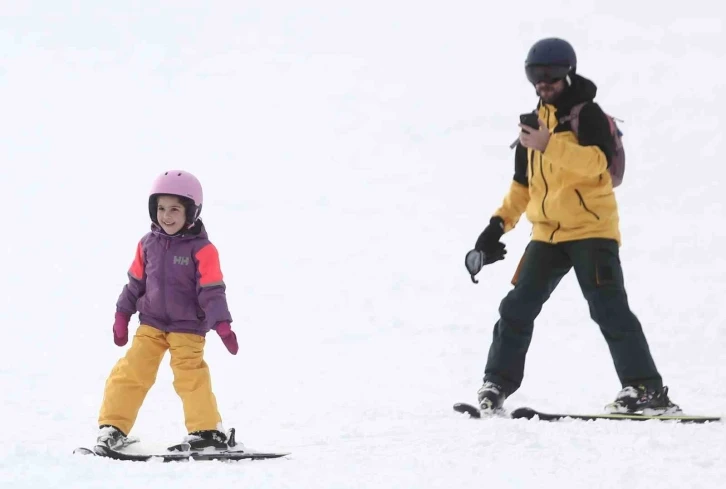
{"type": "Point", "coordinates": [523, 413]}
{"type": "Point", "coordinates": [464, 408]}
{"type": "Point", "coordinates": [83, 451]}
{"type": "Point", "coordinates": [270, 454]}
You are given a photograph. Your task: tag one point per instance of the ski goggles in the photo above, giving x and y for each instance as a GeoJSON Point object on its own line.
{"type": "Point", "coordinates": [474, 262]}
{"type": "Point", "coordinates": [546, 73]}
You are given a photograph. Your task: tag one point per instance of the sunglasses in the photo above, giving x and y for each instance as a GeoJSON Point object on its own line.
{"type": "Point", "coordinates": [546, 73]}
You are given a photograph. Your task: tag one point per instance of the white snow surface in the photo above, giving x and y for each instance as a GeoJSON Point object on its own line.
{"type": "Point", "coordinates": [351, 153]}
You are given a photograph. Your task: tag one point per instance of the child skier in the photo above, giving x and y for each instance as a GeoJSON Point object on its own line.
{"type": "Point", "coordinates": [175, 283]}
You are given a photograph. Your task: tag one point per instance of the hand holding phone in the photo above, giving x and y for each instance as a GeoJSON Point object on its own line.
{"type": "Point", "coordinates": [531, 120]}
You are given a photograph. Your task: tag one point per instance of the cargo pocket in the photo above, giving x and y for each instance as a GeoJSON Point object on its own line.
{"type": "Point", "coordinates": [608, 271]}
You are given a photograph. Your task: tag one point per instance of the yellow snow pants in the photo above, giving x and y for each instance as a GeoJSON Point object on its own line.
{"type": "Point", "coordinates": [135, 373]}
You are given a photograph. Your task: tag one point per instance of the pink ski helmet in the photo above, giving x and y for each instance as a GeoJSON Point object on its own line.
{"type": "Point", "coordinates": [182, 184]}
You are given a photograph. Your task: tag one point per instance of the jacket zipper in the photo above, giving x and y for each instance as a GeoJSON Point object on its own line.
{"type": "Point", "coordinates": [165, 262]}
{"type": "Point", "coordinates": [541, 168]}
{"type": "Point", "coordinates": [582, 203]}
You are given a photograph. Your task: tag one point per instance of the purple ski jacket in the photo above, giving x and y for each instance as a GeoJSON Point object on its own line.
{"type": "Point", "coordinates": [175, 283]}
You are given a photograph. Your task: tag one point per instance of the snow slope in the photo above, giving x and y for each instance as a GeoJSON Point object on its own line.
{"type": "Point", "coordinates": [351, 152]}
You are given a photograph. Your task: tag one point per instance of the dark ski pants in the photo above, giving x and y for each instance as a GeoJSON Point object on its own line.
{"type": "Point", "coordinates": [597, 266]}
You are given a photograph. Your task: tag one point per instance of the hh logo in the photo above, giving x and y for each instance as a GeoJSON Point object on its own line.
{"type": "Point", "coordinates": [181, 260]}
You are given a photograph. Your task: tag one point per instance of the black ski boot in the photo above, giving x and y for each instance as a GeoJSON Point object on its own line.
{"type": "Point", "coordinates": [491, 397]}
{"type": "Point", "coordinates": [111, 437]}
{"type": "Point", "coordinates": [197, 441]}
{"type": "Point", "coordinates": [643, 400]}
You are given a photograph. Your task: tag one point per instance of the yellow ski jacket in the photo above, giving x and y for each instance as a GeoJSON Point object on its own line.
{"type": "Point", "coordinates": [566, 190]}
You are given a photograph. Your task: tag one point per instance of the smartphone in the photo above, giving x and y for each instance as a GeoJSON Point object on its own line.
{"type": "Point", "coordinates": [530, 119]}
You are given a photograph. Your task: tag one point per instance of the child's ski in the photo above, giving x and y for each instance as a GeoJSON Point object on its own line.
{"type": "Point", "coordinates": [103, 451]}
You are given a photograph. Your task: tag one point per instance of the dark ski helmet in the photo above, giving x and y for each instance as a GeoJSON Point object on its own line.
{"type": "Point", "coordinates": [549, 60]}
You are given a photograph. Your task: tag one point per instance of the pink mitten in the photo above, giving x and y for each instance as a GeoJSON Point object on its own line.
{"type": "Point", "coordinates": [121, 329]}
{"type": "Point", "coordinates": [224, 330]}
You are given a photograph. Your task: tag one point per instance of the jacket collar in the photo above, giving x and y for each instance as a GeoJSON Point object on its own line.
{"type": "Point", "coordinates": [578, 91]}
{"type": "Point", "coordinates": [196, 231]}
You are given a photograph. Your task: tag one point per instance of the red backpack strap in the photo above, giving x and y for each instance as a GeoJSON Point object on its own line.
{"type": "Point", "coordinates": [573, 117]}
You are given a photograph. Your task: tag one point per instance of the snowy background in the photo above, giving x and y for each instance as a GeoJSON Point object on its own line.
{"type": "Point", "coordinates": [351, 153]}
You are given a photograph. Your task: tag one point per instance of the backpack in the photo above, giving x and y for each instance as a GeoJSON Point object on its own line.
{"type": "Point", "coordinates": [617, 164]}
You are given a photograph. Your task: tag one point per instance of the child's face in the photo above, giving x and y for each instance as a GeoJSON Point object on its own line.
{"type": "Point", "coordinates": [170, 213]}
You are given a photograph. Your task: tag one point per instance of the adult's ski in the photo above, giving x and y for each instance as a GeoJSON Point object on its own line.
{"type": "Point", "coordinates": [529, 413]}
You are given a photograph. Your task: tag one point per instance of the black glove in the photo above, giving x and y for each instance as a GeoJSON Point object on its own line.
{"type": "Point", "coordinates": [488, 241]}
{"type": "Point", "coordinates": [487, 249]}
